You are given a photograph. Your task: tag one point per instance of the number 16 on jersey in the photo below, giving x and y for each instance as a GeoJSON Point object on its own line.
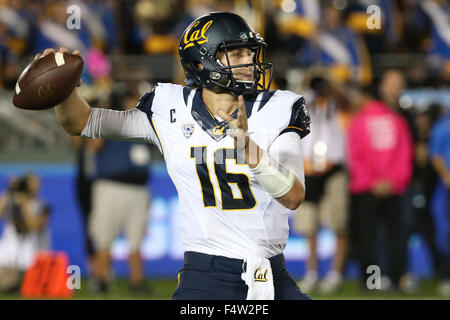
{"type": "Point", "coordinates": [245, 201]}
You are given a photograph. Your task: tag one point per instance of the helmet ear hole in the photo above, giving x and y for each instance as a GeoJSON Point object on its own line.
{"type": "Point", "coordinates": [215, 75]}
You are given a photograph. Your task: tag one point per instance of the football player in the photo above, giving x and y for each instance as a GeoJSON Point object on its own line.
{"type": "Point", "coordinates": [232, 149]}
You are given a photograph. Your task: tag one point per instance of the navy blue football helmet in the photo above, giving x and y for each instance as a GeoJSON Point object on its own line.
{"type": "Point", "coordinates": [201, 42]}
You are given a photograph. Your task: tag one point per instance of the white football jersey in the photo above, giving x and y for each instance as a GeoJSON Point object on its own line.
{"type": "Point", "coordinates": [223, 210]}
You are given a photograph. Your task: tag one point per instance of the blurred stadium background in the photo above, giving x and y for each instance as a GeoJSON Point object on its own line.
{"type": "Point", "coordinates": [135, 42]}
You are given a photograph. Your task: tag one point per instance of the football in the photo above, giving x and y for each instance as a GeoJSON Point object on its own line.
{"type": "Point", "coordinates": [48, 81]}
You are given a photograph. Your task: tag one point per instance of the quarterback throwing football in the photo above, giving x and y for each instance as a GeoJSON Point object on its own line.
{"type": "Point", "coordinates": [232, 149]}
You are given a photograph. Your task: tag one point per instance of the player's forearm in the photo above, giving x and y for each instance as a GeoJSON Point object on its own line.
{"type": "Point", "coordinates": [295, 196]}
{"type": "Point", "coordinates": [73, 114]}
{"type": "Point", "coordinates": [274, 181]}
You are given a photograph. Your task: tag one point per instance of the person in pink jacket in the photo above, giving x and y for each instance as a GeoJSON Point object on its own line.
{"type": "Point", "coordinates": [380, 160]}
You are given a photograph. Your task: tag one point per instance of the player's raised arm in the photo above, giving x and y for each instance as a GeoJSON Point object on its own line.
{"type": "Point", "coordinates": [52, 82]}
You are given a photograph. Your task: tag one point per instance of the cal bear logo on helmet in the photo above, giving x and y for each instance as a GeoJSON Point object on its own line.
{"type": "Point", "coordinates": [197, 35]}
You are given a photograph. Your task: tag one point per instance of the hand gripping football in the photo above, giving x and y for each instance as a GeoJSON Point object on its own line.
{"type": "Point", "coordinates": [48, 81]}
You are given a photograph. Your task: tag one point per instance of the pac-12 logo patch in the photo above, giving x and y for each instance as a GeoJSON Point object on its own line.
{"type": "Point", "coordinates": [188, 130]}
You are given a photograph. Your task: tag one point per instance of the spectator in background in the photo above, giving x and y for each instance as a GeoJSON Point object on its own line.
{"type": "Point", "coordinates": [427, 30]}
{"type": "Point", "coordinates": [15, 31]}
{"type": "Point", "coordinates": [380, 160]}
{"type": "Point", "coordinates": [338, 48]}
{"type": "Point", "coordinates": [83, 187]}
{"type": "Point", "coordinates": [326, 180]}
{"type": "Point", "coordinates": [392, 85]}
{"type": "Point", "coordinates": [16, 25]}
{"type": "Point", "coordinates": [191, 10]}
{"type": "Point", "coordinates": [378, 40]}
{"type": "Point", "coordinates": [196, 8]}
{"type": "Point", "coordinates": [438, 49]}
{"type": "Point", "coordinates": [156, 22]}
{"type": "Point", "coordinates": [25, 232]}
{"type": "Point", "coordinates": [98, 17]}
{"type": "Point", "coordinates": [9, 68]}
{"type": "Point", "coordinates": [302, 20]}
{"type": "Point", "coordinates": [289, 26]}
{"type": "Point", "coordinates": [120, 199]}
{"type": "Point", "coordinates": [419, 195]}
{"type": "Point", "coordinates": [420, 218]}
{"type": "Point", "coordinates": [440, 156]}
{"type": "Point", "coordinates": [85, 162]}
{"type": "Point", "coordinates": [53, 32]}
{"type": "Point", "coordinates": [130, 41]}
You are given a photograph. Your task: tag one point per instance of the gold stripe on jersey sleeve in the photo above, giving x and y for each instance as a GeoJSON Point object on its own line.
{"type": "Point", "coordinates": [292, 127]}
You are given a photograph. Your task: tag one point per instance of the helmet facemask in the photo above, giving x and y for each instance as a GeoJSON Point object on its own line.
{"type": "Point", "coordinates": [216, 76]}
{"type": "Point", "coordinates": [225, 80]}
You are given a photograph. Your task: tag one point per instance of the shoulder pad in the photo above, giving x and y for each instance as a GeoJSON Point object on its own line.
{"type": "Point", "coordinates": [300, 120]}
{"type": "Point", "coordinates": [145, 102]}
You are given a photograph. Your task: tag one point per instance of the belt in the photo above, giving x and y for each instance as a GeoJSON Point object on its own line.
{"type": "Point", "coordinates": [206, 262]}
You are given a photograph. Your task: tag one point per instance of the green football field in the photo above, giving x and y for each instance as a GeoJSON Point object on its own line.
{"type": "Point", "coordinates": [162, 289]}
